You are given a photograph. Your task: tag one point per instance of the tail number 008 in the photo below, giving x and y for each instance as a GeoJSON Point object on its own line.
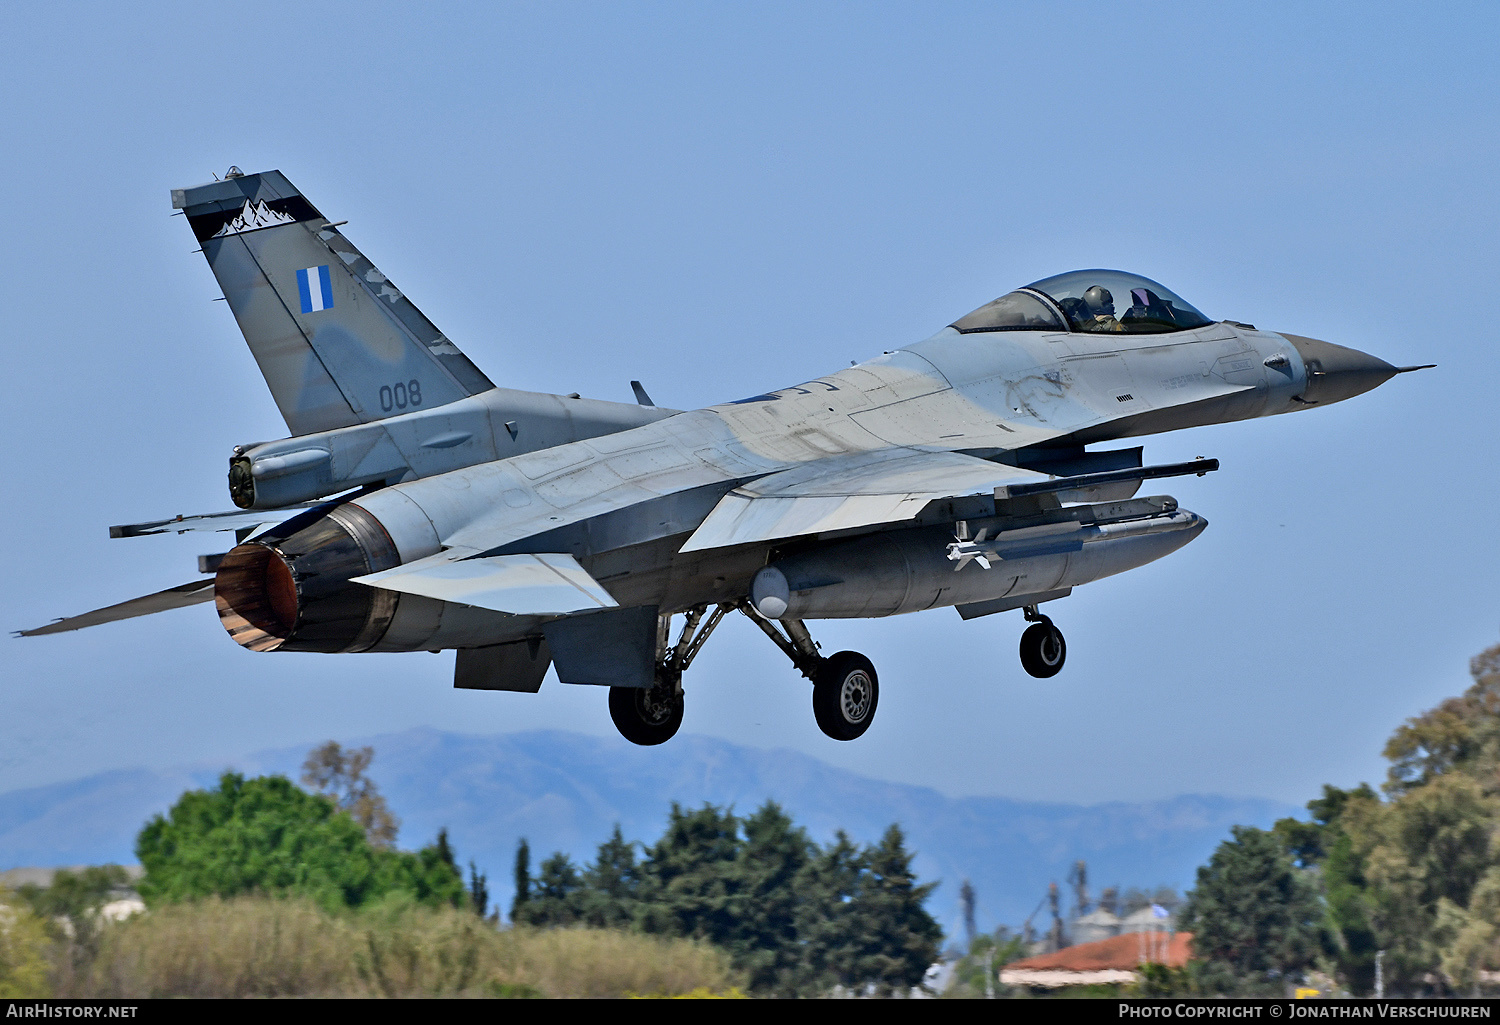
{"type": "Point", "coordinates": [399, 395]}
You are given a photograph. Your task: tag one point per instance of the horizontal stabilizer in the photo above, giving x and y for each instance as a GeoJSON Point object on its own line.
{"type": "Point", "coordinates": [1090, 480]}
{"type": "Point", "coordinates": [172, 598]}
{"type": "Point", "coordinates": [886, 486]}
{"type": "Point", "coordinates": [547, 584]}
{"type": "Point", "coordinates": [239, 519]}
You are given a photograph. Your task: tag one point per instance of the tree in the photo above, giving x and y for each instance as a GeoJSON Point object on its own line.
{"type": "Point", "coordinates": [479, 890]}
{"type": "Point", "coordinates": [522, 875]}
{"type": "Point", "coordinates": [1461, 734]}
{"type": "Point", "coordinates": [898, 939]}
{"type": "Point", "coordinates": [557, 897]}
{"type": "Point", "coordinates": [1418, 874]}
{"type": "Point", "coordinates": [612, 885]}
{"type": "Point", "coordinates": [977, 973]}
{"type": "Point", "coordinates": [862, 922]}
{"type": "Point", "coordinates": [265, 835]}
{"type": "Point", "coordinates": [1326, 845]}
{"type": "Point", "coordinates": [689, 877]}
{"type": "Point", "coordinates": [1426, 854]}
{"type": "Point", "coordinates": [966, 899]}
{"type": "Point", "coordinates": [340, 776]}
{"type": "Point", "coordinates": [765, 900]}
{"type": "Point", "coordinates": [829, 885]}
{"type": "Point", "coordinates": [1253, 915]}
{"type": "Point", "coordinates": [432, 874]}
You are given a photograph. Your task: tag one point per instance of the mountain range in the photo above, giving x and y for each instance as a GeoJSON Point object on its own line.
{"type": "Point", "coordinates": [565, 791]}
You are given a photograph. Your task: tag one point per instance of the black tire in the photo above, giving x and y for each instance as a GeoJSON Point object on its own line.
{"type": "Point", "coordinates": [1043, 650]}
{"type": "Point", "coordinates": [845, 695]}
{"type": "Point", "coordinates": [646, 716]}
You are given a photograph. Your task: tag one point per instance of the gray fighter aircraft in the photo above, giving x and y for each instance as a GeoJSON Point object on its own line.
{"type": "Point", "coordinates": [417, 506]}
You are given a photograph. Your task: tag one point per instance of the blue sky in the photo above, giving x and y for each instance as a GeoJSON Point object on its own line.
{"type": "Point", "coordinates": [720, 199]}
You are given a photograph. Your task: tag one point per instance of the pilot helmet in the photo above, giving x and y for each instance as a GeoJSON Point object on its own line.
{"type": "Point", "coordinates": [1099, 301]}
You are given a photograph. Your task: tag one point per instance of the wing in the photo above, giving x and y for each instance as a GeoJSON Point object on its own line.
{"type": "Point", "coordinates": [838, 493]}
{"type": "Point", "coordinates": [172, 598]}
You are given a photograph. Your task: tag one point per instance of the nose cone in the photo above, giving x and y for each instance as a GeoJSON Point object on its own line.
{"type": "Point", "coordinates": [1335, 373]}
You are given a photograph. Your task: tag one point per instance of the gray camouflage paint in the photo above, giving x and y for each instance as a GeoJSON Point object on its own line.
{"type": "Point", "coordinates": [510, 513]}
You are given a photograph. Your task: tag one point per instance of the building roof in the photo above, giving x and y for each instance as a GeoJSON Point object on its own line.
{"type": "Point", "coordinates": [1118, 953]}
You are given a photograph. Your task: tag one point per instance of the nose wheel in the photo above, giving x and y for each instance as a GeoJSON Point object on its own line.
{"type": "Point", "coordinates": [1043, 649]}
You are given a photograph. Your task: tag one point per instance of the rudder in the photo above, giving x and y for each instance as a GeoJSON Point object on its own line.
{"type": "Point", "coordinates": [337, 343]}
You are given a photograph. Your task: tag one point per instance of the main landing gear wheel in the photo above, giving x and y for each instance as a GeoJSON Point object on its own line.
{"type": "Point", "coordinates": [646, 715]}
{"type": "Point", "coordinates": [1043, 649]}
{"type": "Point", "coordinates": [845, 693]}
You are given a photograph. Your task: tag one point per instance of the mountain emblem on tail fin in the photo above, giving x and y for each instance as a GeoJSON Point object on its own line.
{"type": "Point", "coordinates": [253, 216]}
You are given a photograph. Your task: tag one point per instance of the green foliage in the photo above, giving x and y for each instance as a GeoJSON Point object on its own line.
{"type": "Point", "coordinates": [1351, 933]}
{"type": "Point", "coordinates": [689, 877]}
{"type": "Point", "coordinates": [1253, 915]}
{"type": "Point", "coordinates": [73, 900]}
{"type": "Point", "coordinates": [1155, 980]}
{"type": "Point", "coordinates": [977, 974]}
{"type": "Point", "coordinates": [265, 835]}
{"type": "Point", "coordinates": [1425, 854]}
{"type": "Point", "coordinates": [894, 940]}
{"type": "Point", "coordinates": [24, 944]}
{"type": "Point", "coordinates": [611, 885]}
{"type": "Point", "coordinates": [556, 895]}
{"type": "Point", "coordinates": [1416, 875]}
{"type": "Point", "coordinates": [769, 865]}
{"type": "Point", "coordinates": [794, 918]}
{"type": "Point", "coordinates": [791, 917]}
{"type": "Point", "coordinates": [1460, 735]}
{"type": "Point", "coordinates": [479, 890]}
{"type": "Point", "coordinates": [522, 873]}
{"type": "Point", "coordinates": [292, 947]}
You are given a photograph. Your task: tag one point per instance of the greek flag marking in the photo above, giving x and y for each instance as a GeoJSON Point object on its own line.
{"type": "Point", "coordinates": [315, 288]}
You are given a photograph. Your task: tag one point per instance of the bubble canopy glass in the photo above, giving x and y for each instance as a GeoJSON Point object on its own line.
{"type": "Point", "coordinates": [1094, 301]}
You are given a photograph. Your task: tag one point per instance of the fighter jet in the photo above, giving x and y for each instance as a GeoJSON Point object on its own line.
{"type": "Point", "coordinates": [417, 506]}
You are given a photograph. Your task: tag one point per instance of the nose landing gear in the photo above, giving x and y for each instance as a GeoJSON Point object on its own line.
{"type": "Point", "coordinates": [1043, 649]}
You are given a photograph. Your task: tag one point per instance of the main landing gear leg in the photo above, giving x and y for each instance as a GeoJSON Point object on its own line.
{"type": "Point", "coordinates": [1043, 649]}
{"type": "Point", "coordinates": [845, 687]}
{"type": "Point", "coordinates": [652, 715]}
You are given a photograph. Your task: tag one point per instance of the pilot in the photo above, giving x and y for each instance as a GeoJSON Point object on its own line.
{"type": "Point", "coordinates": [1100, 306]}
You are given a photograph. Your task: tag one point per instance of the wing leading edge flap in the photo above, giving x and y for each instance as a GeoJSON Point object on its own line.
{"type": "Point", "coordinates": [172, 598]}
{"type": "Point", "coordinates": [839, 493]}
{"type": "Point", "coordinates": [547, 584]}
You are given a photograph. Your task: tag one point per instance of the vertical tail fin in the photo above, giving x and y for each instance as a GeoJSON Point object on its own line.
{"type": "Point", "coordinates": [338, 344]}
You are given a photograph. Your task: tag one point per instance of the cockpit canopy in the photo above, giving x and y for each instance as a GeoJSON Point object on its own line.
{"type": "Point", "coordinates": [1095, 301]}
